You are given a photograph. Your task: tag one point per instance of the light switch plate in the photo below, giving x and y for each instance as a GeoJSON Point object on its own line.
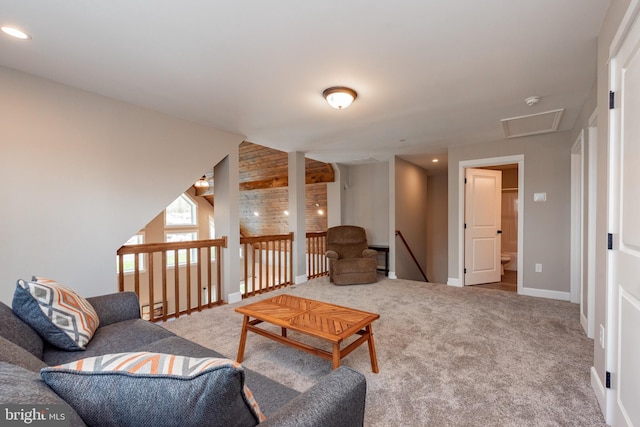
{"type": "Point", "coordinates": [539, 197]}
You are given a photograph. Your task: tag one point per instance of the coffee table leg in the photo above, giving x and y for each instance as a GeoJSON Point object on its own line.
{"type": "Point", "coordinates": [336, 355]}
{"type": "Point", "coordinates": [243, 339]}
{"type": "Point", "coordinates": [372, 350]}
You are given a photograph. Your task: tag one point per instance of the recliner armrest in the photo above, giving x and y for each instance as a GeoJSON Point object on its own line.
{"type": "Point", "coordinates": [117, 307]}
{"type": "Point", "coordinates": [337, 400]}
{"type": "Point", "coordinates": [369, 253]}
{"type": "Point", "coordinates": [332, 254]}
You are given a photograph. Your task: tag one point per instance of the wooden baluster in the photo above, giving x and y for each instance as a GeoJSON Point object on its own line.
{"type": "Point", "coordinates": [199, 277]}
{"type": "Point", "coordinates": [121, 273]}
{"type": "Point", "coordinates": [209, 278]}
{"type": "Point", "coordinates": [219, 274]}
{"type": "Point", "coordinates": [188, 273]}
{"type": "Point", "coordinates": [151, 290]}
{"type": "Point", "coordinates": [176, 282]}
{"type": "Point", "coordinates": [164, 284]}
{"type": "Point", "coordinates": [136, 275]}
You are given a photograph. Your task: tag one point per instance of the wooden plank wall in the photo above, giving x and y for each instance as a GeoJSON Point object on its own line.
{"type": "Point", "coordinates": [263, 185]}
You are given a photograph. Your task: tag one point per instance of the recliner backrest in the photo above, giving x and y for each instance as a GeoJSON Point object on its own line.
{"type": "Point", "coordinates": [347, 240]}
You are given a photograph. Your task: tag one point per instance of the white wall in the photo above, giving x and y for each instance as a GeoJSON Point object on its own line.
{"type": "Point", "coordinates": [437, 226]}
{"type": "Point", "coordinates": [546, 224]}
{"type": "Point", "coordinates": [366, 199]}
{"type": "Point", "coordinates": [81, 173]}
{"type": "Point", "coordinates": [411, 219]}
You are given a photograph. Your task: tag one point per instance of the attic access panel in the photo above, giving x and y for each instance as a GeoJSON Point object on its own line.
{"type": "Point", "coordinates": [533, 124]}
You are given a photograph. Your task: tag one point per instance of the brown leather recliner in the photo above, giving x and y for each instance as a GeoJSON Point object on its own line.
{"type": "Point", "coordinates": [351, 261]}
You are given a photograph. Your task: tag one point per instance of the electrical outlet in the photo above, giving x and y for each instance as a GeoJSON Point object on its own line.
{"type": "Point", "coordinates": [538, 268]}
{"type": "Point", "coordinates": [601, 339]}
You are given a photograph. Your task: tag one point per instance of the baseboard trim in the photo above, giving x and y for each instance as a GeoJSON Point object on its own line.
{"type": "Point", "coordinates": [392, 275]}
{"type": "Point", "coordinates": [235, 297]}
{"type": "Point", "coordinates": [599, 390]}
{"type": "Point", "coordinates": [454, 282]}
{"type": "Point", "coordinates": [301, 279]}
{"type": "Point", "coordinates": [545, 293]}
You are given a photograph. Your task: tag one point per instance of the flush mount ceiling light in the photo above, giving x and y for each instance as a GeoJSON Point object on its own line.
{"type": "Point", "coordinates": [14, 32]}
{"type": "Point", "coordinates": [339, 97]}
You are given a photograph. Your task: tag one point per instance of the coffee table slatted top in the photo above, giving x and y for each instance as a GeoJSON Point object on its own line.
{"type": "Point", "coordinates": [332, 322]}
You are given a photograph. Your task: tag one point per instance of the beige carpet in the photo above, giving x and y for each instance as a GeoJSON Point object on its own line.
{"type": "Point", "coordinates": [447, 356]}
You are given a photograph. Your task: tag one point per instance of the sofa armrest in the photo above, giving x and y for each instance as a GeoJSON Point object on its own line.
{"type": "Point", "coordinates": [337, 400]}
{"type": "Point", "coordinates": [369, 253]}
{"type": "Point", "coordinates": [332, 254]}
{"type": "Point", "coordinates": [114, 308]}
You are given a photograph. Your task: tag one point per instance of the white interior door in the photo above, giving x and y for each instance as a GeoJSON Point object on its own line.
{"type": "Point", "coordinates": [483, 215]}
{"type": "Point", "coordinates": [623, 346]}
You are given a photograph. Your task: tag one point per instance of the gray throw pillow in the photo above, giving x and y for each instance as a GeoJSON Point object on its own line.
{"type": "Point", "coordinates": [61, 316]}
{"type": "Point", "coordinates": [134, 389]}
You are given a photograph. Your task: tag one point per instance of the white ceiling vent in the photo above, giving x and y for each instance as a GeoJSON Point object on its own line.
{"type": "Point", "coordinates": [533, 124]}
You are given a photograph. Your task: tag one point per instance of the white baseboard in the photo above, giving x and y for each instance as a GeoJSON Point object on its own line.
{"type": "Point", "coordinates": [301, 279]}
{"type": "Point", "coordinates": [599, 390]}
{"type": "Point", "coordinates": [544, 293]}
{"type": "Point", "coordinates": [392, 275]}
{"type": "Point", "coordinates": [235, 297]}
{"type": "Point", "coordinates": [454, 282]}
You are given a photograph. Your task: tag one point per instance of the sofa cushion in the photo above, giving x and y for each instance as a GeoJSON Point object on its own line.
{"type": "Point", "coordinates": [23, 387]}
{"type": "Point", "coordinates": [133, 389]}
{"type": "Point", "coordinates": [121, 337]}
{"type": "Point", "coordinates": [10, 352]}
{"type": "Point", "coordinates": [15, 330]}
{"type": "Point", "coordinates": [61, 316]}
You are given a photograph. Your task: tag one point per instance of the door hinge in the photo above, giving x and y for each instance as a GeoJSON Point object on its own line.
{"type": "Point", "coordinates": [608, 380]}
{"type": "Point", "coordinates": [465, 180]}
{"type": "Point", "coordinates": [610, 241]}
{"type": "Point", "coordinates": [499, 231]}
{"type": "Point", "coordinates": [465, 225]}
{"type": "Point", "coordinates": [612, 100]}
{"type": "Point", "coordinates": [465, 271]}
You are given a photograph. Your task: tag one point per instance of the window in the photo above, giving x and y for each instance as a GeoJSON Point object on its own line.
{"type": "Point", "coordinates": [128, 259]}
{"type": "Point", "coordinates": [185, 236]}
{"type": "Point", "coordinates": [182, 211]}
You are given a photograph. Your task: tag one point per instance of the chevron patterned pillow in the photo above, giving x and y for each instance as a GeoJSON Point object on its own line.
{"type": "Point", "coordinates": [133, 389]}
{"type": "Point", "coordinates": [61, 316]}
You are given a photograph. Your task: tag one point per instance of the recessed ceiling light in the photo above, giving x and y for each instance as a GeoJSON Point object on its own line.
{"type": "Point", "coordinates": [435, 160]}
{"type": "Point", "coordinates": [14, 32]}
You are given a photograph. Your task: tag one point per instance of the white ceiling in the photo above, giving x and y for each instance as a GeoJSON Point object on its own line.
{"type": "Point", "coordinates": [428, 74]}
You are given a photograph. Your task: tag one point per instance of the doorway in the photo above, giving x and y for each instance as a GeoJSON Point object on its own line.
{"type": "Point", "coordinates": [509, 227]}
{"type": "Point", "coordinates": [516, 164]}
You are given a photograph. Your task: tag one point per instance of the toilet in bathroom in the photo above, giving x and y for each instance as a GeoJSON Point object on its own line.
{"type": "Point", "coordinates": [504, 260]}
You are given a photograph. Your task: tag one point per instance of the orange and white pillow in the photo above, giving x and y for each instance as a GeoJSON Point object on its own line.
{"type": "Point", "coordinates": [156, 389]}
{"type": "Point", "coordinates": [60, 315]}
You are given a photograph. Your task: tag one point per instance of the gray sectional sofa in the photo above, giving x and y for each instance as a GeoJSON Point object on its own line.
{"type": "Point", "coordinates": [337, 400]}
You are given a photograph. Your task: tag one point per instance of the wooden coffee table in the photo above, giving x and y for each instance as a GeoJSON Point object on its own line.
{"type": "Point", "coordinates": [329, 322]}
